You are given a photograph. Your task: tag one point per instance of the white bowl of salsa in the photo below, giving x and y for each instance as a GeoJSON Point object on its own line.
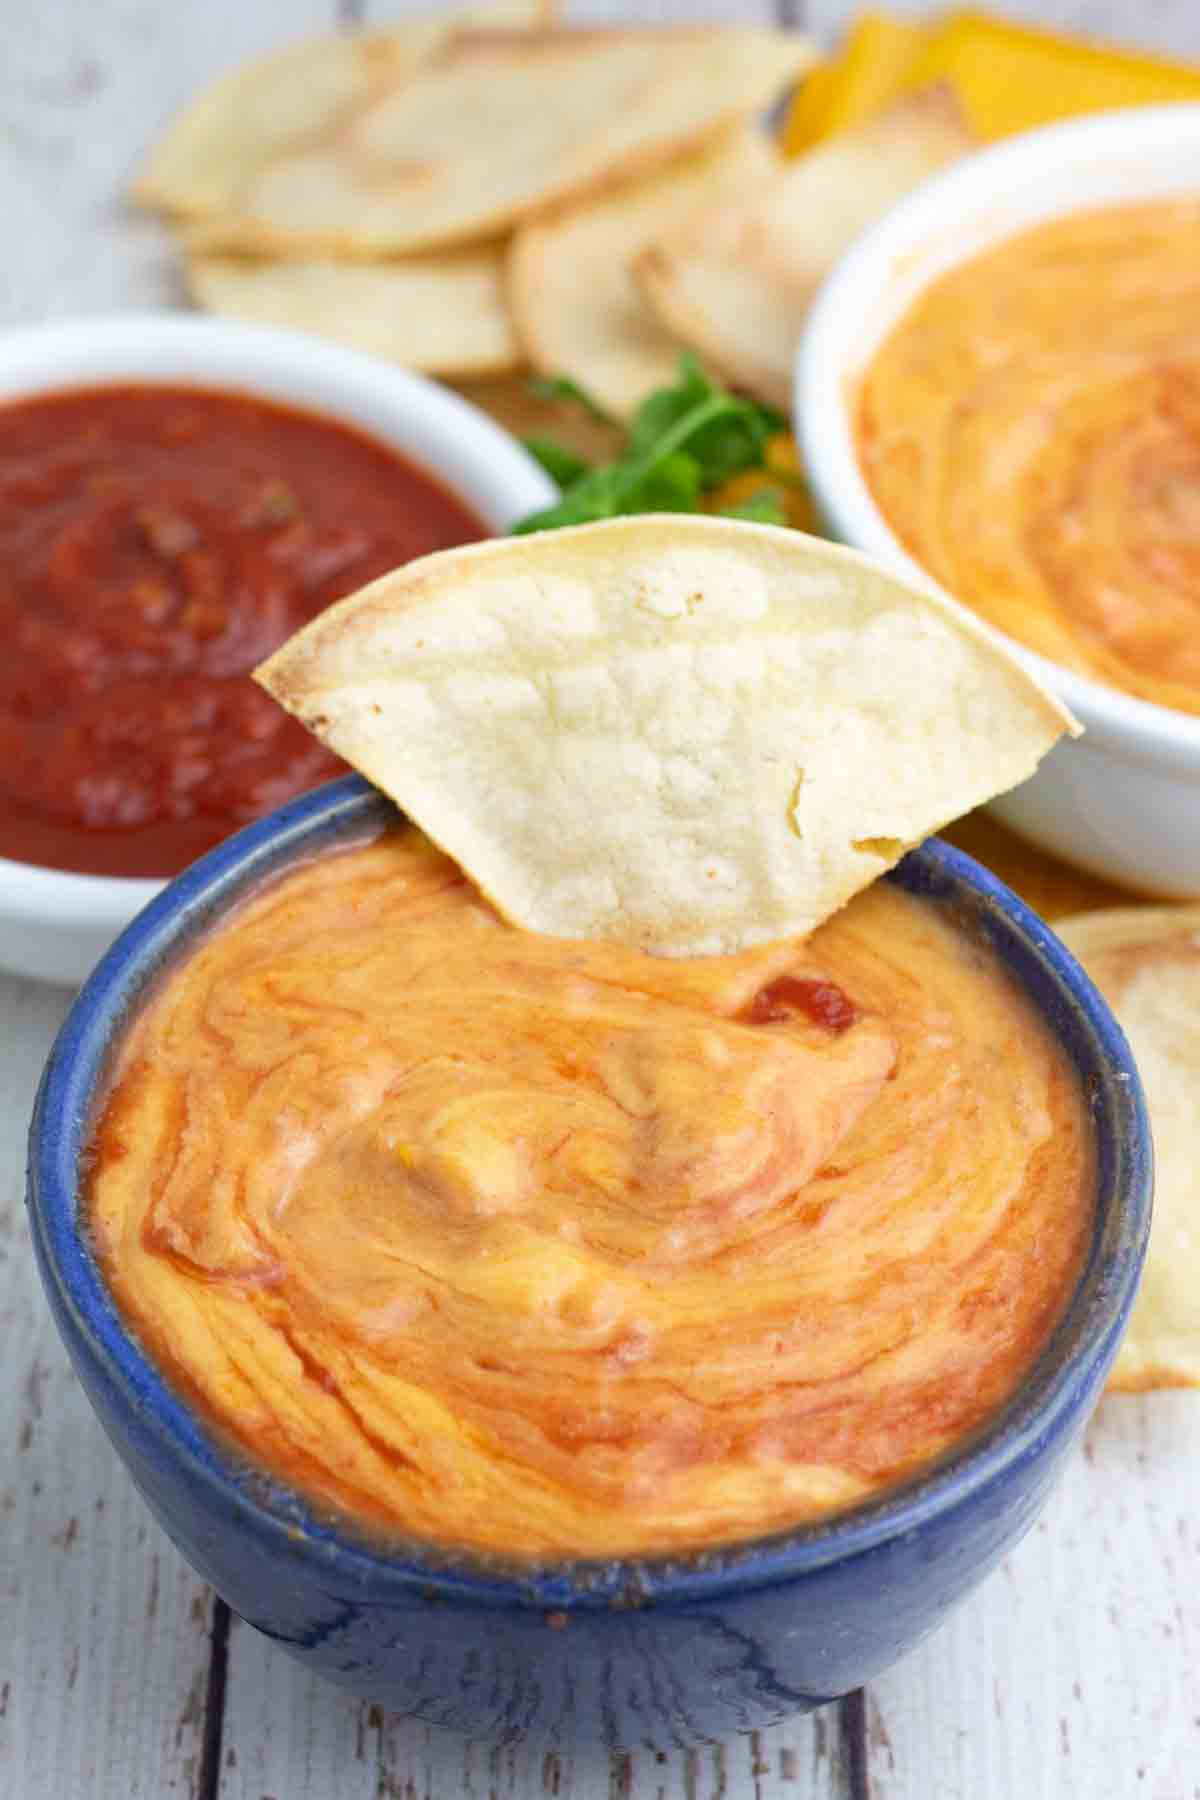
{"type": "Point", "coordinates": [1123, 801]}
{"type": "Point", "coordinates": [177, 495]}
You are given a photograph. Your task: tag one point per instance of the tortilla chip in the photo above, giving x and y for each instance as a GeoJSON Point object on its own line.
{"type": "Point", "coordinates": [577, 307]}
{"type": "Point", "coordinates": [682, 734]}
{"type": "Point", "coordinates": [284, 102]}
{"type": "Point", "coordinates": [1146, 962]}
{"type": "Point", "coordinates": [737, 287]}
{"type": "Point", "coordinates": [494, 125]}
{"type": "Point", "coordinates": [445, 315]}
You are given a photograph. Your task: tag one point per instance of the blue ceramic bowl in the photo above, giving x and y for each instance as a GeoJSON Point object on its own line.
{"type": "Point", "coordinates": [650, 1650]}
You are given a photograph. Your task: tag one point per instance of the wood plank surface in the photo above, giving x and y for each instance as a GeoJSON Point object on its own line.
{"type": "Point", "coordinates": [85, 88]}
{"type": "Point", "coordinates": [104, 1640]}
{"type": "Point", "coordinates": [104, 1631]}
{"type": "Point", "coordinates": [1074, 1672]}
{"type": "Point", "coordinates": [288, 1734]}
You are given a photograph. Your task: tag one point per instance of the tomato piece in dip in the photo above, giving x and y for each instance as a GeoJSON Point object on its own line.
{"type": "Point", "coordinates": [550, 1247]}
{"type": "Point", "coordinates": [156, 544]}
{"type": "Point", "coordinates": [1031, 431]}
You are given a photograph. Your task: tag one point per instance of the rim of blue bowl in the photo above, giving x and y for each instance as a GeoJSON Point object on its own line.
{"type": "Point", "coordinates": [1078, 1352]}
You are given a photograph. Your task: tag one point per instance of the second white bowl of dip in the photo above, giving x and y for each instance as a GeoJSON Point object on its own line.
{"type": "Point", "coordinates": [1123, 801]}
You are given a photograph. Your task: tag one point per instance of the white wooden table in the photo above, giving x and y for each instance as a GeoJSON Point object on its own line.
{"type": "Point", "coordinates": [1073, 1674]}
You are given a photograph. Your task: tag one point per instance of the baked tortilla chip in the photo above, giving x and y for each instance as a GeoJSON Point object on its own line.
{"type": "Point", "coordinates": [737, 287]}
{"type": "Point", "coordinates": [496, 124]}
{"type": "Point", "coordinates": [686, 735]}
{"type": "Point", "coordinates": [288, 100]}
{"type": "Point", "coordinates": [445, 315]}
{"type": "Point", "coordinates": [576, 304]}
{"type": "Point", "coordinates": [1146, 962]}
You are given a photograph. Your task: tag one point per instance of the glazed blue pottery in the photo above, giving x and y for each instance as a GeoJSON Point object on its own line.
{"type": "Point", "coordinates": [650, 1652]}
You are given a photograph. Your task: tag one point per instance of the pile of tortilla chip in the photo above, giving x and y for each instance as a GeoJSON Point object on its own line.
{"type": "Point", "coordinates": [368, 187]}
{"type": "Point", "coordinates": [471, 193]}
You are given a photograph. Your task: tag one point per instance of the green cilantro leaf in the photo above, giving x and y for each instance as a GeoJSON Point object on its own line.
{"type": "Point", "coordinates": [595, 495]}
{"type": "Point", "coordinates": [561, 465]}
{"type": "Point", "coordinates": [673, 485]}
{"type": "Point", "coordinates": [665, 407]}
{"type": "Point", "coordinates": [685, 440]}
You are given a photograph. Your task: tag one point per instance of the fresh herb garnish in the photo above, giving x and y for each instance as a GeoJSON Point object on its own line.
{"type": "Point", "coordinates": [561, 465]}
{"type": "Point", "coordinates": [685, 441]}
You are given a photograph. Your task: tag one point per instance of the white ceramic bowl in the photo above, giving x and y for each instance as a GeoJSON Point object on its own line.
{"type": "Point", "coordinates": [1123, 800]}
{"type": "Point", "coordinates": [53, 924]}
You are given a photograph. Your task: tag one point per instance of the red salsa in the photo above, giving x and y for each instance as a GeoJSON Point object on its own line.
{"type": "Point", "coordinates": [155, 544]}
{"type": "Point", "coordinates": [822, 1002]}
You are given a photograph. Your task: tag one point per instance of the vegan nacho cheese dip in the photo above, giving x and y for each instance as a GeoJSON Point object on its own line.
{"type": "Point", "coordinates": [1030, 430]}
{"type": "Point", "coordinates": [549, 1247]}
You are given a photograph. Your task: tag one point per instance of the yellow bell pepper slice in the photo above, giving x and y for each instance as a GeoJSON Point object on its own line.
{"type": "Point", "coordinates": [868, 73]}
{"type": "Point", "coordinates": [1012, 77]}
{"type": "Point", "coordinates": [1008, 77]}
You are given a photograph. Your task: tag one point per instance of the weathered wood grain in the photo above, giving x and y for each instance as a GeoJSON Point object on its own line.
{"type": "Point", "coordinates": [289, 1734]}
{"type": "Point", "coordinates": [85, 87]}
{"type": "Point", "coordinates": [103, 1630]}
{"type": "Point", "coordinates": [104, 1638]}
{"type": "Point", "coordinates": [1074, 1674]}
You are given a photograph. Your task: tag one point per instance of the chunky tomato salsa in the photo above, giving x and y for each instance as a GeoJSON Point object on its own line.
{"type": "Point", "coordinates": [155, 544]}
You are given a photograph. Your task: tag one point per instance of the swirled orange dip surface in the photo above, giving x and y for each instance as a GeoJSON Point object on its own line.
{"type": "Point", "coordinates": [549, 1247]}
{"type": "Point", "coordinates": [1031, 430]}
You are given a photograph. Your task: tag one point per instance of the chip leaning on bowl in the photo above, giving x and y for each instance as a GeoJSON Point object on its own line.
{"type": "Point", "coordinates": [1146, 962]}
{"type": "Point", "coordinates": [620, 1199]}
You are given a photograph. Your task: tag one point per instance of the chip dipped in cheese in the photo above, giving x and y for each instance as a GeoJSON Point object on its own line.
{"type": "Point", "coordinates": [685, 735]}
